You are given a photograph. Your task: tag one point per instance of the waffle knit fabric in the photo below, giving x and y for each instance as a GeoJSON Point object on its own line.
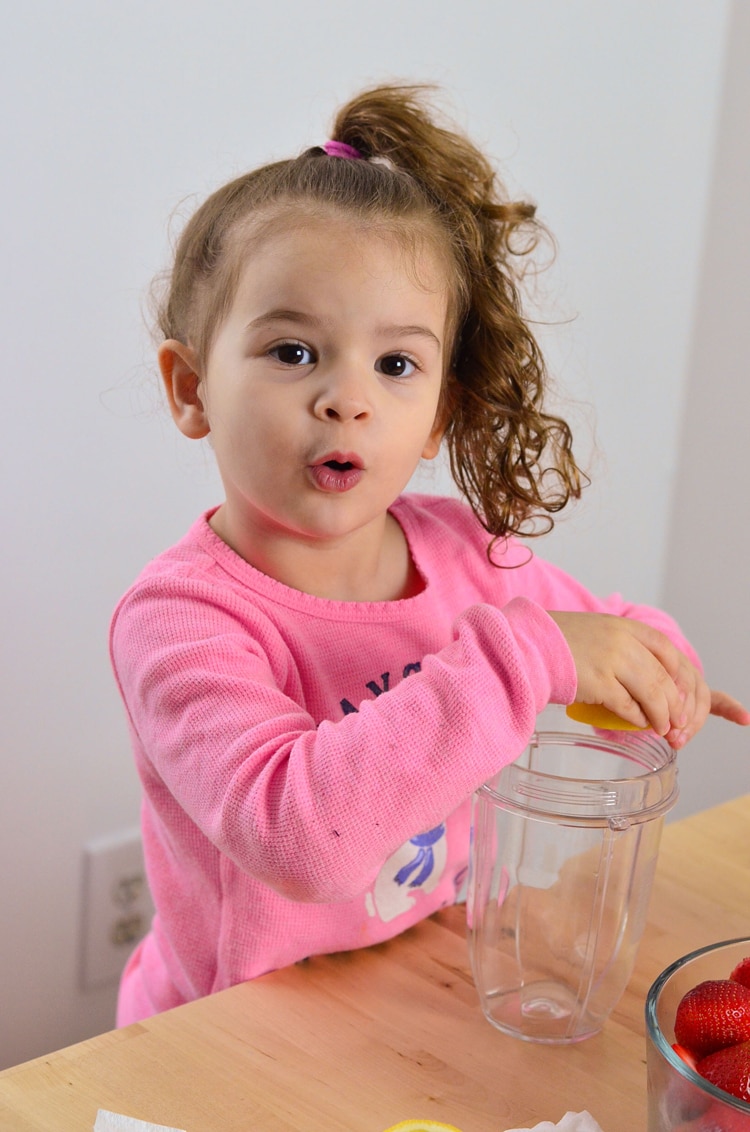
{"type": "Point", "coordinates": [307, 764]}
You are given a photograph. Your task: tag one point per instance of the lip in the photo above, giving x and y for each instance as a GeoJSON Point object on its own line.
{"type": "Point", "coordinates": [337, 471]}
{"type": "Point", "coordinates": [340, 458]}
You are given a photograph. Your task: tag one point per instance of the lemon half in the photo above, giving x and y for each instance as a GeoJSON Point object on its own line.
{"type": "Point", "coordinates": [597, 716]}
{"type": "Point", "coordinates": [422, 1126]}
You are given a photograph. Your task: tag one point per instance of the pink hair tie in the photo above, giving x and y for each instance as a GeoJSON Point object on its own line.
{"type": "Point", "coordinates": [341, 149]}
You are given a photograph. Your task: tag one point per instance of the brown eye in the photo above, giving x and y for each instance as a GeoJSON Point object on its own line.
{"type": "Point", "coordinates": [292, 354]}
{"type": "Point", "coordinates": [395, 365]}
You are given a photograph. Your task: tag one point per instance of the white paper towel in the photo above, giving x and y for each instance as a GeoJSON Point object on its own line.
{"type": "Point", "coordinates": [116, 1122]}
{"type": "Point", "coordinates": [571, 1122]}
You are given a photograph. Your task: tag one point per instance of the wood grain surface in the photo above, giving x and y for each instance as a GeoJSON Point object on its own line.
{"type": "Point", "coordinates": [358, 1041]}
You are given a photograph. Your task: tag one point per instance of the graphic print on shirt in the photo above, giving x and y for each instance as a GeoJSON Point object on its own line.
{"type": "Point", "coordinates": [417, 866]}
{"type": "Point", "coordinates": [348, 708]}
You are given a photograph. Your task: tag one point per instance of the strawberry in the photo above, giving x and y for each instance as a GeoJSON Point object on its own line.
{"type": "Point", "coordinates": [685, 1054]}
{"type": "Point", "coordinates": [712, 1015]}
{"type": "Point", "coordinates": [741, 973]}
{"type": "Point", "coordinates": [728, 1069]}
{"type": "Point", "coordinates": [718, 1117]}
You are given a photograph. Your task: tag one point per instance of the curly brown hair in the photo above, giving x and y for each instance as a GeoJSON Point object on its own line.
{"type": "Point", "coordinates": [421, 179]}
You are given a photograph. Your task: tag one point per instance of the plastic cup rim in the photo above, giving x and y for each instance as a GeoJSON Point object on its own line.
{"type": "Point", "coordinates": [577, 813]}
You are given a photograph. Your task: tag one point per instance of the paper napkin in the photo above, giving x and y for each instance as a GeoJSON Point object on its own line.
{"type": "Point", "coordinates": [571, 1122]}
{"type": "Point", "coordinates": [116, 1122]}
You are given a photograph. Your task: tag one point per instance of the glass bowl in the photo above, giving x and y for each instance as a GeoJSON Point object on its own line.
{"type": "Point", "coordinates": [679, 1099]}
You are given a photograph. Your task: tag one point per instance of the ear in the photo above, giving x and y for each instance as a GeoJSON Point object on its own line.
{"type": "Point", "coordinates": [182, 382]}
{"type": "Point", "coordinates": [432, 445]}
{"type": "Point", "coordinates": [442, 418]}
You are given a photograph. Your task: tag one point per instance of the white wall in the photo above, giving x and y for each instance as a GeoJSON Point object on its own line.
{"type": "Point", "coordinates": [706, 577]}
{"type": "Point", "coordinates": [605, 113]}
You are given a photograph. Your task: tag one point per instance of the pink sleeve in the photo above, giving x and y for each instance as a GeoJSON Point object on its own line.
{"type": "Point", "coordinates": [313, 811]}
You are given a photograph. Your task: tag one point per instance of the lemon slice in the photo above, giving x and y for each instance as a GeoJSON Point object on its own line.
{"type": "Point", "coordinates": [598, 716]}
{"type": "Point", "coordinates": [422, 1126]}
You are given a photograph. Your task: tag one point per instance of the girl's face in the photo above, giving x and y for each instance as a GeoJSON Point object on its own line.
{"type": "Point", "coordinates": [321, 387]}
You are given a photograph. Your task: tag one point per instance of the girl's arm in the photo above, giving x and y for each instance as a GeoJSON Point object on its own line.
{"type": "Point", "coordinates": [314, 810]}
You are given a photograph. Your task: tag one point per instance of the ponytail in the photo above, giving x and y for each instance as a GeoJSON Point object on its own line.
{"type": "Point", "coordinates": [512, 461]}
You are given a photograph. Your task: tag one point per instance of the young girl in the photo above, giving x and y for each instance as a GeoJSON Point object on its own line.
{"type": "Point", "coordinates": [319, 674]}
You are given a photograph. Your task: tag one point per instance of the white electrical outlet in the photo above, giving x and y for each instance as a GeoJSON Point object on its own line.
{"type": "Point", "coordinates": [117, 906]}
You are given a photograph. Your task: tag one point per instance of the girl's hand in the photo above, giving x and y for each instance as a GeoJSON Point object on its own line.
{"type": "Point", "coordinates": [636, 672]}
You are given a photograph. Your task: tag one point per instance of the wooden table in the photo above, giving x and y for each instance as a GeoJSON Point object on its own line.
{"type": "Point", "coordinates": [358, 1041]}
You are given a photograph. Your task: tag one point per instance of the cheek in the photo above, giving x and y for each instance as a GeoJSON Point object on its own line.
{"type": "Point", "coordinates": [256, 433]}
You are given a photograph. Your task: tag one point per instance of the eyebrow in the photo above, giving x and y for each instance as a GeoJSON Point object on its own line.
{"type": "Point", "coordinates": [284, 316]}
{"type": "Point", "coordinates": [391, 330]}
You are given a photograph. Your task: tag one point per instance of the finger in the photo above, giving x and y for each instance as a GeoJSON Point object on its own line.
{"type": "Point", "coordinates": [701, 703]}
{"type": "Point", "coordinates": [726, 707]}
{"type": "Point", "coordinates": [692, 691]}
{"type": "Point", "coordinates": [649, 696]}
{"type": "Point", "coordinates": [674, 677]}
{"type": "Point", "coordinates": [620, 701]}
{"type": "Point", "coordinates": [695, 696]}
{"type": "Point", "coordinates": [667, 704]}
{"type": "Point", "coordinates": [689, 714]}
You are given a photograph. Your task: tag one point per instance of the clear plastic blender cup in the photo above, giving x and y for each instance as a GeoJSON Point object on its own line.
{"type": "Point", "coordinates": [564, 846]}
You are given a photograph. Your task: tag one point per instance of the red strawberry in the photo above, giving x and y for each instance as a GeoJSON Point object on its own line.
{"type": "Point", "coordinates": [713, 1015]}
{"type": "Point", "coordinates": [719, 1117]}
{"type": "Point", "coordinates": [685, 1054]}
{"type": "Point", "coordinates": [741, 973]}
{"type": "Point", "coordinates": [729, 1069]}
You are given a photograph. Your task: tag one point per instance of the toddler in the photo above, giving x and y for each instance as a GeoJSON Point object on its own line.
{"type": "Point", "coordinates": [319, 674]}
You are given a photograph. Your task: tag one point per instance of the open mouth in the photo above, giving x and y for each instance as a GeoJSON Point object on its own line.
{"type": "Point", "coordinates": [337, 473]}
{"type": "Point", "coordinates": [338, 465]}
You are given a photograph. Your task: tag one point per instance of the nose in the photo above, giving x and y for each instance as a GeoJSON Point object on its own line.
{"type": "Point", "coordinates": [342, 396]}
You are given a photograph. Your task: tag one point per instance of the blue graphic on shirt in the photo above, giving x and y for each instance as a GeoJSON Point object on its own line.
{"type": "Point", "coordinates": [415, 869]}
{"type": "Point", "coordinates": [409, 875]}
{"type": "Point", "coordinates": [424, 859]}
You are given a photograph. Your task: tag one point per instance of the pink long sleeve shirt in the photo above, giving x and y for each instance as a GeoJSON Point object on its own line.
{"type": "Point", "coordinates": [307, 764]}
